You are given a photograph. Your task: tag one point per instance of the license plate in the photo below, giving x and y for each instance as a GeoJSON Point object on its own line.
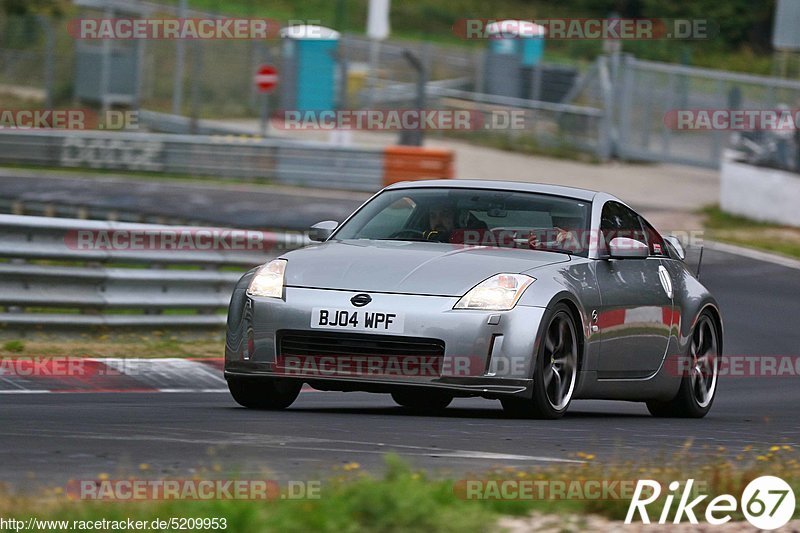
{"type": "Point", "coordinates": [357, 320]}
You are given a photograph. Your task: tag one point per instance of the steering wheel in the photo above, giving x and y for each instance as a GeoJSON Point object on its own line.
{"type": "Point", "coordinates": [406, 233]}
{"type": "Point", "coordinates": [552, 243]}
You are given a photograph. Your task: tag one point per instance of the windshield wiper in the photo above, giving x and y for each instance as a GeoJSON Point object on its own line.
{"type": "Point", "coordinates": [410, 239]}
{"type": "Point", "coordinates": [556, 250]}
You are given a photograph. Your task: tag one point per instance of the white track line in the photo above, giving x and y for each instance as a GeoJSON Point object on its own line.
{"type": "Point", "coordinates": [305, 445]}
{"type": "Point", "coordinates": [758, 255]}
{"type": "Point", "coordinates": [25, 391]}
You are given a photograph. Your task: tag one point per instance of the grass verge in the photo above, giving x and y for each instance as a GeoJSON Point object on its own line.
{"type": "Point", "coordinates": [404, 499]}
{"type": "Point", "coordinates": [733, 229]}
{"type": "Point", "coordinates": [156, 344]}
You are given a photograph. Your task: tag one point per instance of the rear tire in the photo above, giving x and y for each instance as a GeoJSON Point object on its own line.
{"type": "Point", "coordinates": [556, 373]}
{"type": "Point", "coordinates": [698, 389]}
{"type": "Point", "coordinates": [422, 400]}
{"type": "Point", "coordinates": [265, 393]}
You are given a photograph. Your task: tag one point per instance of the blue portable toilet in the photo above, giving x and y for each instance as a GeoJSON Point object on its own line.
{"type": "Point", "coordinates": [309, 73]}
{"type": "Point", "coordinates": [522, 38]}
{"type": "Point", "coordinates": [514, 45]}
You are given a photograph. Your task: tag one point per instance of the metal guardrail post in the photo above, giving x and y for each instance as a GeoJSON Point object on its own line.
{"type": "Point", "coordinates": [608, 133]}
{"type": "Point", "coordinates": [415, 137]}
{"type": "Point", "coordinates": [625, 98]}
{"type": "Point", "coordinates": [49, 37]}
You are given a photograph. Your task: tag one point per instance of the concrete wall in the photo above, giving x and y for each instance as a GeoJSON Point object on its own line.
{"type": "Point", "coordinates": [759, 193]}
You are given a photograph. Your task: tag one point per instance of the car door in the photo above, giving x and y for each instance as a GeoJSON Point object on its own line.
{"type": "Point", "coordinates": [635, 315]}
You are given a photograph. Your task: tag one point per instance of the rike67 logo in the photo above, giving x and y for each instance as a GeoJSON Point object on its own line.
{"type": "Point", "coordinates": [767, 502]}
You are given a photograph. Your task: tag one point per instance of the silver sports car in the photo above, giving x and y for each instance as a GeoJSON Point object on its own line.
{"type": "Point", "coordinates": [530, 294]}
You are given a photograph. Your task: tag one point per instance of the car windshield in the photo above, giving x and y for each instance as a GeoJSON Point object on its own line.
{"type": "Point", "coordinates": [476, 217]}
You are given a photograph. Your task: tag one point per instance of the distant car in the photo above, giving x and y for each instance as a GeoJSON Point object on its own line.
{"type": "Point", "coordinates": [531, 294]}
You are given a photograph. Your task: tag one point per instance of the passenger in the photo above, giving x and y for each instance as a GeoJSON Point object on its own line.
{"type": "Point", "coordinates": [558, 239]}
{"type": "Point", "coordinates": [445, 218]}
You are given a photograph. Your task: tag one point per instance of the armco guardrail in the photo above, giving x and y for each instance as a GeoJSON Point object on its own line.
{"type": "Point", "coordinates": [69, 273]}
{"type": "Point", "coordinates": [289, 162]}
{"type": "Point", "coordinates": [223, 156]}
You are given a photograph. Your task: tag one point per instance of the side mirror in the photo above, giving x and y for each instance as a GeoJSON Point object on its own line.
{"type": "Point", "coordinates": [676, 244]}
{"type": "Point", "coordinates": [322, 230]}
{"type": "Point", "coordinates": [626, 248]}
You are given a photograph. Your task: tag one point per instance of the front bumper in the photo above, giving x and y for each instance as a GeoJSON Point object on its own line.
{"type": "Point", "coordinates": [487, 353]}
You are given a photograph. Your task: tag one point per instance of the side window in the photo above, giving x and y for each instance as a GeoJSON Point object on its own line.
{"type": "Point", "coordinates": [654, 239]}
{"type": "Point", "coordinates": [617, 220]}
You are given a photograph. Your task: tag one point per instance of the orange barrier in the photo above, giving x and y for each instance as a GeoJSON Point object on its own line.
{"type": "Point", "coordinates": [409, 163]}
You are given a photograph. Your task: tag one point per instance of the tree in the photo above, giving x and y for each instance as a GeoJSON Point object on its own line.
{"type": "Point", "coordinates": [56, 8]}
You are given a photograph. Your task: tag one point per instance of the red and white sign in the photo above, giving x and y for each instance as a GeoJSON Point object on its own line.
{"type": "Point", "coordinates": [266, 78]}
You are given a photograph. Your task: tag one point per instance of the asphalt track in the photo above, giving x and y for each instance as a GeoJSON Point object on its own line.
{"type": "Point", "coordinates": [49, 438]}
{"type": "Point", "coordinates": [177, 202]}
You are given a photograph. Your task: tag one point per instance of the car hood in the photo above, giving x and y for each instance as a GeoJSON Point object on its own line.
{"type": "Point", "coordinates": [425, 268]}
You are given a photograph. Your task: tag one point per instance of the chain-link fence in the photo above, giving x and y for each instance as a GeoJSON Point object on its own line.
{"type": "Point", "coordinates": [652, 96]}
{"type": "Point", "coordinates": [36, 62]}
{"type": "Point", "coordinates": [618, 107]}
{"type": "Point", "coordinates": [39, 57]}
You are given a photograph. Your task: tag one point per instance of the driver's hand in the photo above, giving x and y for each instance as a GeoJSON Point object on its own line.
{"type": "Point", "coordinates": [561, 237]}
{"type": "Point", "coordinates": [436, 235]}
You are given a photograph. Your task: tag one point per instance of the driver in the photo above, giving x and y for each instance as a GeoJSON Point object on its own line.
{"type": "Point", "coordinates": [444, 219]}
{"type": "Point", "coordinates": [441, 222]}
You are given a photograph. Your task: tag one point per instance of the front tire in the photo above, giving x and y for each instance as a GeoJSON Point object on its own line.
{"type": "Point", "coordinates": [697, 391]}
{"type": "Point", "coordinates": [556, 371]}
{"type": "Point", "coordinates": [265, 393]}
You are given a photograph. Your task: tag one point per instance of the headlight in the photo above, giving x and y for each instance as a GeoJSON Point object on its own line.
{"type": "Point", "coordinates": [498, 293]}
{"type": "Point", "coordinates": [268, 281]}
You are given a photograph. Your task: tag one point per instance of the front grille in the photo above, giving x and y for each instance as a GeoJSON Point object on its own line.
{"type": "Point", "coordinates": [334, 354]}
{"type": "Point", "coordinates": [324, 343]}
